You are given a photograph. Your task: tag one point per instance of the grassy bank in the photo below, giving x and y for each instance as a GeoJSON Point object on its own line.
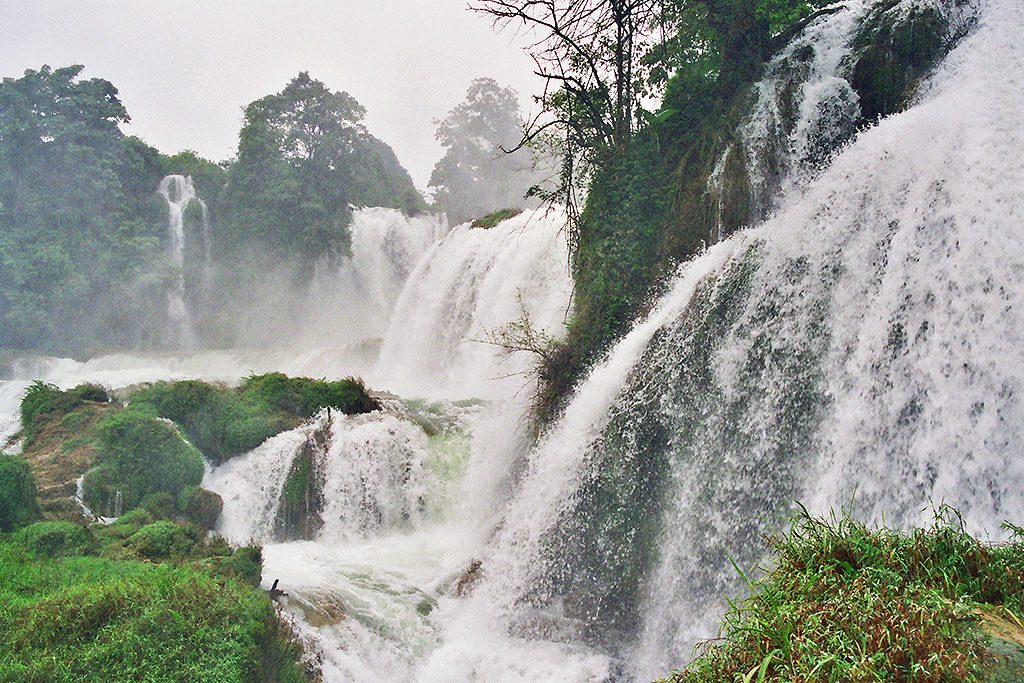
{"type": "Point", "coordinates": [846, 602]}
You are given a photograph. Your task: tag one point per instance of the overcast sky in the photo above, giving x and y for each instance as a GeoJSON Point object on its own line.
{"type": "Point", "coordinates": [185, 68]}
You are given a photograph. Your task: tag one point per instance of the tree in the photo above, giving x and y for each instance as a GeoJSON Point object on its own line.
{"type": "Point", "coordinates": [303, 157]}
{"type": "Point", "coordinates": [476, 176]}
{"type": "Point", "coordinates": [73, 230]}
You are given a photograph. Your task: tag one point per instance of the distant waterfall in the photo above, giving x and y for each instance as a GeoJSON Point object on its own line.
{"type": "Point", "coordinates": [179, 193]}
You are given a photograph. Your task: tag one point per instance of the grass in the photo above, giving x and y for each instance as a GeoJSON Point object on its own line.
{"type": "Point", "coordinates": [845, 602]}
{"type": "Point", "coordinates": [91, 619]}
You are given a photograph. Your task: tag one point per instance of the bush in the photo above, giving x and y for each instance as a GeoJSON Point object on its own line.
{"type": "Point", "coordinates": [163, 540]}
{"type": "Point", "coordinates": [56, 539]}
{"type": "Point", "coordinates": [18, 504]}
{"type": "Point", "coordinates": [43, 399]}
{"type": "Point", "coordinates": [138, 454]}
{"type": "Point", "coordinates": [303, 396]}
{"type": "Point", "coordinates": [245, 564]}
{"type": "Point", "coordinates": [223, 422]}
{"type": "Point", "coordinates": [200, 506]}
{"type": "Point", "coordinates": [160, 504]}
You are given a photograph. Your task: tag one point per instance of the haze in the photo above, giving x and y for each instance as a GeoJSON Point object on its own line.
{"type": "Point", "coordinates": [185, 69]}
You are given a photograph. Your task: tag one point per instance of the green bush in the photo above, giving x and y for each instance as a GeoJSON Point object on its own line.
{"type": "Point", "coordinates": [245, 564]}
{"type": "Point", "coordinates": [163, 540]}
{"type": "Point", "coordinates": [223, 422]}
{"type": "Point", "coordinates": [18, 504]}
{"type": "Point", "coordinates": [200, 506]}
{"type": "Point", "coordinates": [138, 453]}
{"type": "Point", "coordinates": [303, 396]}
{"type": "Point", "coordinates": [160, 504]}
{"type": "Point", "coordinates": [43, 399]}
{"type": "Point", "coordinates": [56, 539]}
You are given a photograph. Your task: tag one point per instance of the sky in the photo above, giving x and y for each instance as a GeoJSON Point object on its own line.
{"type": "Point", "coordinates": [185, 68]}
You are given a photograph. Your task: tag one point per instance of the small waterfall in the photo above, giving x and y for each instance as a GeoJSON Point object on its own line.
{"type": "Point", "coordinates": [469, 286]}
{"type": "Point", "coordinates": [179, 193]}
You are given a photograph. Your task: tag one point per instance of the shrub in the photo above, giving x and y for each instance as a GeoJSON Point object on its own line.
{"type": "Point", "coordinates": [245, 564]}
{"type": "Point", "coordinates": [18, 504]}
{"type": "Point", "coordinates": [43, 399]}
{"type": "Point", "coordinates": [492, 219]}
{"type": "Point", "coordinates": [56, 539]}
{"type": "Point", "coordinates": [163, 540]}
{"type": "Point", "coordinates": [303, 396]}
{"type": "Point", "coordinates": [138, 454]}
{"type": "Point", "coordinates": [159, 504]}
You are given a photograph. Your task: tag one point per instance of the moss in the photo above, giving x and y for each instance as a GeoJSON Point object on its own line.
{"type": "Point", "coordinates": [893, 51]}
{"type": "Point", "coordinates": [492, 219]}
{"type": "Point", "coordinates": [302, 497]}
{"type": "Point", "coordinates": [42, 400]}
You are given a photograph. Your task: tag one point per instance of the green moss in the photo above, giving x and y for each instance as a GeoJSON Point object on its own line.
{"type": "Point", "coordinates": [844, 602]}
{"type": "Point", "coordinates": [56, 539]}
{"type": "Point", "coordinates": [492, 219]}
{"type": "Point", "coordinates": [893, 51]}
{"type": "Point", "coordinates": [42, 400]}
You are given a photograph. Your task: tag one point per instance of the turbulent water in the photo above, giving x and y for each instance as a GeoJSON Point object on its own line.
{"type": "Point", "coordinates": [862, 346]}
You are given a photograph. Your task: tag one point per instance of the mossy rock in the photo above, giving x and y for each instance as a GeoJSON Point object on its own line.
{"type": "Point", "coordinates": [56, 539]}
{"type": "Point", "coordinates": [493, 219]}
{"type": "Point", "coordinates": [200, 506]}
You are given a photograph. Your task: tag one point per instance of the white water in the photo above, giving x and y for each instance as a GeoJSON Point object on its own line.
{"type": "Point", "coordinates": [866, 338]}
{"type": "Point", "coordinates": [472, 284]}
{"type": "Point", "coordinates": [178, 191]}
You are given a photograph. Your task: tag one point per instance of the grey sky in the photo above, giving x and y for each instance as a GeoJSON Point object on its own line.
{"type": "Point", "coordinates": [185, 68]}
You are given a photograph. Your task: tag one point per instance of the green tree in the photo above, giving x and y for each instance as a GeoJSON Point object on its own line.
{"type": "Point", "coordinates": [73, 230]}
{"type": "Point", "coordinates": [304, 156]}
{"type": "Point", "coordinates": [477, 174]}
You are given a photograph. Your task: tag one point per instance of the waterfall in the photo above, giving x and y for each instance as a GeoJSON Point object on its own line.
{"type": "Point", "coordinates": [179, 193]}
{"type": "Point", "coordinates": [863, 344]}
{"type": "Point", "coordinates": [471, 285]}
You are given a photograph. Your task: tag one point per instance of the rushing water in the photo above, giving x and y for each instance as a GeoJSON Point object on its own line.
{"type": "Point", "coordinates": [863, 343]}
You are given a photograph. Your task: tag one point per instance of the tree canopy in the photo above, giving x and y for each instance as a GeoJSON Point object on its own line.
{"type": "Point", "coordinates": [478, 173]}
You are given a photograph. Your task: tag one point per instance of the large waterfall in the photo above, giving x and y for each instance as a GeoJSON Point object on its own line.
{"type": "Point", "coordinates": [180, 195]}
{"type": "Point", "coordinates": [861, 347]}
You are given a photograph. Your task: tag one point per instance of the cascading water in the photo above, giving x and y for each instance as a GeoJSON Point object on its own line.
{"type": "Point", "coordinates": [473, 283]}
{"type": "Point", "coordinates": [179, 193]}
{"type": "Point", "coordinates": [864, 343]}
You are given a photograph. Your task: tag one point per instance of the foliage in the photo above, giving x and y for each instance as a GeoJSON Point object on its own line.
{"type": "Point", "coordinates": [43, 400]}
{"type": "Point", "coordinates": [74, 232]}
{"type": "Point", "coordinates": [17, 493]}
{"type": "Point", "coordinates": [478, 173]}
{"type": "Point", "coordinates": [56, 539]}
{"type": "Point", "coordinates": [302, 154]}
{"type": "Point", "coordinates": [162, 540]}
{"type": "Point", "coordinates": [844, 602]}
{"type": "Point", "coordinates": [493, 219]}
{"type": "Point", "coordinates": [223, 422]}
{"type": "Point", "coordinates": [137, 454]}
{"type": "Point", "coordinates": [94, 619]}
